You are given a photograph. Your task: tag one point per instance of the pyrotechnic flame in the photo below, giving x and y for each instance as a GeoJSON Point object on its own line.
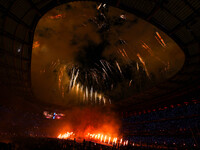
{"type": "Point", "coordinates": [109, 140]}
{"type": "Point", "coordinates": [121, 141]}
{"type": "Point", "coordinates": [65, 135]}
{"type": "Point", "coordinates": [103, 138]}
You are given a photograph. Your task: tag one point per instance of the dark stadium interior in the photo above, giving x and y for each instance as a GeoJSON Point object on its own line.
{"type": "Point", "coordinates": [105, 74]}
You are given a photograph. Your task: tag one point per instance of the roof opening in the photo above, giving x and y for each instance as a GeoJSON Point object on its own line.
{"type": "Point", "coordinates": [92, 53]}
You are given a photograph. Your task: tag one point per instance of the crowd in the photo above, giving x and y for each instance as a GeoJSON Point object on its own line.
{"type": "Point", "coordinates": [173, 126]}
{"type": "Point", "coordinates": [58, 144]}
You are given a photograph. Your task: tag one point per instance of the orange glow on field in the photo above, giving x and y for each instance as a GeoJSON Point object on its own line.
{"type": "Point", "coordinates": [95, 137]}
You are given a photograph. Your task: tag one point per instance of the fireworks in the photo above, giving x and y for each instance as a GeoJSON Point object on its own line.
{"type": "Point", "coordinates": [142, 61]}
{"type": "Point", "coordinates": [130, 83]}
{"type": "Point", "coordinates": [145, 46]}
{"type": "Point", "coordinates": [65, 135]}
{"type": "Point", "coordinates": [99, 6]}
{"type": "Point", "coordinates": [118, 67]}
{"type": "Point", "coordinates": [104, 139]}
{"type": "Point", "coordinates": [160, 40]}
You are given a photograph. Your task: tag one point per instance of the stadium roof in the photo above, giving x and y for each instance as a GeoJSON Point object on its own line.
{"type": "Point", "coordinates": [180, 19]}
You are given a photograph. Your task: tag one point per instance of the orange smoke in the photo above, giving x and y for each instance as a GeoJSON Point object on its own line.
{"type": "Point", "coordinates": [89, 123]}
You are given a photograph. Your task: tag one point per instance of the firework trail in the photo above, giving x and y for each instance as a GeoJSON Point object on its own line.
{"type": "Point", "coordinates": [142, 61]}
{"type": "Point", "coordinates": [101, 61]}
{"type": "Point", "coordinates": [145, 46]}
{"type": "Point", "coordinates": [95, 96]}
{"type": "Point", "coordinates": [105, 72]}
{"type": "Point", "coordinates": [118, 67]}
{"type": "Point", "coordinates": [130, 83]}
{"type": "Point", "coordinates": [86, 93]}
{"type": "Point", "coordinates": [137, 66]}
{"type": "Point", "coordinates": [75, 78]}
{"type": "Point", "coordinates": [91, 93]}
{"type": "Point", "coordinates": [108, 65]}
{"type": "Point", "coordinates": [99, 6]}
{"type": "Point", "coordinates": [160, 40]}
{"type": "Point", "coordinates": [71, 81]}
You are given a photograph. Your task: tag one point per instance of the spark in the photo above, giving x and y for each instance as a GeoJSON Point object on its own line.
{"type": "Point", "coordinates": [125, 53]}
{"type": "Point", "coordinates": [123, 17]}
{"type": "Point", "coordinates": [77, 88]}
{"type": "Point", "coordinates": [142, 61]}
{"type": "Point", "coordinates": [84, 97]}
{"type": "Point", "coordinates": [81, 88]}
{"type": "Point", "coordinates": [86, 93]}
{"type": "Point", "coordinates": [118, 67]}
{"type": "Point", "coordinates": [91, 92]}
{"type": "Point", "coordinates": [121, 141]}
{"type": "Point", "coordinates": [36, 44]}
{"type": "Point", "coordinates": [99, 6]}
{"type": "Point", "coordinates": [105, 138]}
{"type": "Point", "coordinates": [130, 83]}
{"type": "Point", "coordinates": [108, 65]}
{"type": "Point", "coordinates": [95, 96]}
{"type": "Point", "coordinates": [76, 76]}
{"type": "Point", "coordinates": [104, 100]}
{"type": "Point", "coordinates": [71, 81]}
{"type": "Point", "coordinates": [144, 45]}
{"type": "Point", "coordinates": [121, 53]}
{"type": "Point", "coordinates": [100, 98]}
{"type": "Point", "coordinates": [160, 39]}
{"type": "Point", "coordinates": [101, 137]}
{"type": "Point", "coordinates": [109, 140]}
{"type": "Point", "coordinates": [65, 136]}
{"type": "Point", "coordinates": [105, 72]}
{"type": "Point", "coordinates": [103, 64]}
{"type": "Point", "coordinates": [137, 66]}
